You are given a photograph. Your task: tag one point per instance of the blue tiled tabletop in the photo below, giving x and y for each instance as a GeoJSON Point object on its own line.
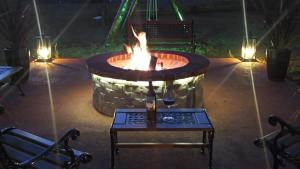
{"type": "Point", "coordinates": [167, 119]}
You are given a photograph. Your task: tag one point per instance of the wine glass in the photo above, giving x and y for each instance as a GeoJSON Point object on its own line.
{"type": "Point", "coordinates": [169, 100]}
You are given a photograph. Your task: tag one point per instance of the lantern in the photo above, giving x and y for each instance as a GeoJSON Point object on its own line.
{"type": "Point", "coordinates": [43, 48]}
{"type": "Point", "coordinates": [249, 49]}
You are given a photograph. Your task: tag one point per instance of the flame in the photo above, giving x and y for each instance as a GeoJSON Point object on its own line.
{"type": "Point", "coordinates": [43, 53]}
{"type": "Point", "coordinates": [140, 56]}
{"type": "Point", "coordinates": [248, 52]}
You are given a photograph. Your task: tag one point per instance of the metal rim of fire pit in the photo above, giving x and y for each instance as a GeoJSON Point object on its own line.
{"type": "Point", "coordinates": [196, 65]}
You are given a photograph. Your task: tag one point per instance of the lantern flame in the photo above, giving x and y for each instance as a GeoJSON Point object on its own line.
{"type": "Point", "coordinates": [248, 52]}
{"type": "Point", "coordinates": [249, 49]}
{"type": "Point", "coordinates": [43, 53]}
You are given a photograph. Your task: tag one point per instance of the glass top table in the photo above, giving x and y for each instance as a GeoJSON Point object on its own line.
{"type": "Point", "coordinates": [167, 119]}
{"type": "Point", "coordinates": [175, 119]}
{"type": "Point", "coordinates": [8, 71]}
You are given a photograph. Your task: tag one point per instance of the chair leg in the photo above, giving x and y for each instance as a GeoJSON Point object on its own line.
{"type": "Point", "coordinates": [275, 160]}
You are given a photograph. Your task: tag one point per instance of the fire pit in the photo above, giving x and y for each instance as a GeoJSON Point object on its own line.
{"type": "Point", "coordinates": [118, 86]}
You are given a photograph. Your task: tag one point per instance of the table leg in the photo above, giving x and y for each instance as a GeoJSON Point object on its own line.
{"type": "Point", "coordinates": [210, 140]}
{"type": "Point", "coordinates": [203, 141]}
{"type": "Point", "coordinates": [112, 149]}
{"type": "Point", "coordinates": [115, 135]}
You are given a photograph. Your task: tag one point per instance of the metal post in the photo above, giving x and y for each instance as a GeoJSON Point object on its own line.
{"type": "Point", "coordinates": [112, 147]}
{"type": "Point", "coordinates": [177, 10]}
{"type": "Point", "coordinates": [203, 141]}
{"type": "Point", "coordinates": [148, 9]}
{"type": "Point", "coordinates": [118, 20]}
{"type": "Point", "coordinates": [151, 10]}
{"type": "Point", "coordinates": [156, 10]}
{"type": "Point", "coordinates": [211, 140]}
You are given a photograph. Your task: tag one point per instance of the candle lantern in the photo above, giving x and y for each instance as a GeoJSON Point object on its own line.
{"type": "Point", "coordinates": [248, 49]}
{"type": "Point", "coordinates": [43, 51]}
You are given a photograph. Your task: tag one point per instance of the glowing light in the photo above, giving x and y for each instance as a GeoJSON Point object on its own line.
{"type": "Point", "coordinates": [185, 80]}
{"type": "Point", "coordinates": [44, 53]}
{"type": "Point", "coordinates": [37, 18]}
{"type": "Point", "coordinates": [249, 49]}
{"type": "Point", "coordinates": [249, 43]}
{"type": "Point", "coordinates": [118, 20]}
{"type": "Point", "coordinates": [258, 115]}
{"type": "Point", "coordinates": [249, 54]}
{"type": "Point", "coordinates": [43, 49]}
{"type": "Point", "coordinates": [216, 89]}
{"type": "Point", "coordinates": [122, 82]}
{"type": "Point", "coordinates": [140, 56]}
{"type": "Point", "coordinates": [40, 44]}
{"type": "Point", "coordinates": [177, 10]}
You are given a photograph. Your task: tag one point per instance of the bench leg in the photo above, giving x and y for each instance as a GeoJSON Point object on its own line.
{"type": "Point", "coordinates": [203, 141]}
{"type": "Point", "coordinates": [211, 140]}
{"type": "Point", "coordinates": [112, 149]}
{"type": "Point", "coordinates": [275, 160]}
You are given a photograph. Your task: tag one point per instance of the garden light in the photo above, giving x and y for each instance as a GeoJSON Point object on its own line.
{"type": "Point", "coordinates": [44, 53]}
{"type": "Point", "coordinates": [248, 49]}
{"type": "Point", "coordinates": [43, 48]}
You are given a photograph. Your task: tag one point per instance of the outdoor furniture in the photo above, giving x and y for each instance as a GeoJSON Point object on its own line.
{"type": "Point", "coordinates": [22, 150]}
{"type": "Point", "coordinates": [284, 144]}
{"type": "Point", "coordinates": [178, 120]}
{"type": "Point", "coordinates": [7, 72]}
{"type": "Point", "coordinates": [164, 34]}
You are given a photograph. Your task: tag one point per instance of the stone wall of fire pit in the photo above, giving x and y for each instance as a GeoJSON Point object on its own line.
{"type": "Point", "coordinates": [118, 87]}
{"type": "Point", "coordinates": [113, 93]}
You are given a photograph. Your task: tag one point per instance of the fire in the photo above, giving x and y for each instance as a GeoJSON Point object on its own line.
{"type": "Point", "coordinates": [140, 56]}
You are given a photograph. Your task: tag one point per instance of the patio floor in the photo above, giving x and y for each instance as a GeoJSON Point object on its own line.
{"type": "Point", "coordinates": [229, 100]}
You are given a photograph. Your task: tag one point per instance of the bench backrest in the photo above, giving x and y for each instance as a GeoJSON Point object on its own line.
{"type": "Point", "coordinates": [162, 31]}
{"type": "Point", "coordinates": [20, 146]}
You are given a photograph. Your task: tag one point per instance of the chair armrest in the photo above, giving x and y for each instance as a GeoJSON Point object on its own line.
{"type": "Point", "coordinates": [73, 134]}
{"type": "Point", "coordinates": [274, 120]}
{"type": "Point", "coordinates": [285, 129]}
{"type": "Point", "coordinates": [272, 138]}
{"type": "Point", "coordinates": [85, 157]}
{"type": "Point", "coordinates": [5, 130]}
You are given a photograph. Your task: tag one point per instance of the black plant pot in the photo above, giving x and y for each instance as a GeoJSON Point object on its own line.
{"type": "Point", "coordinates": [277, 63]}
{"type": "Point", "coordinates": [16, 59]}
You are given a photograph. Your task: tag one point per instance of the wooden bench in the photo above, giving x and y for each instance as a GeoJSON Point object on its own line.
{"type": "Point", "coordinates": [284, 144]}
{"type": "Point", "coordinates": [164, 34]}
{"type": "Point", "coordinates": [22, 150]}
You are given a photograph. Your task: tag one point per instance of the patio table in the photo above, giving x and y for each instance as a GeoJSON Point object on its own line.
{"type": "Point", "coordinates": [8, 71]}
{"type": "Point", "coordinates": [175, 119]}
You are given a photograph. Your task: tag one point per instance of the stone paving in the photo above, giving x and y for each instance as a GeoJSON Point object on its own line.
{"type": "Point", "coordinates": [229, 100]}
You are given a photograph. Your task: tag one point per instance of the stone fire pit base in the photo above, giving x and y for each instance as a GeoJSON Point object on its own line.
{"type": "Point", "coordinates": [110, 93]}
